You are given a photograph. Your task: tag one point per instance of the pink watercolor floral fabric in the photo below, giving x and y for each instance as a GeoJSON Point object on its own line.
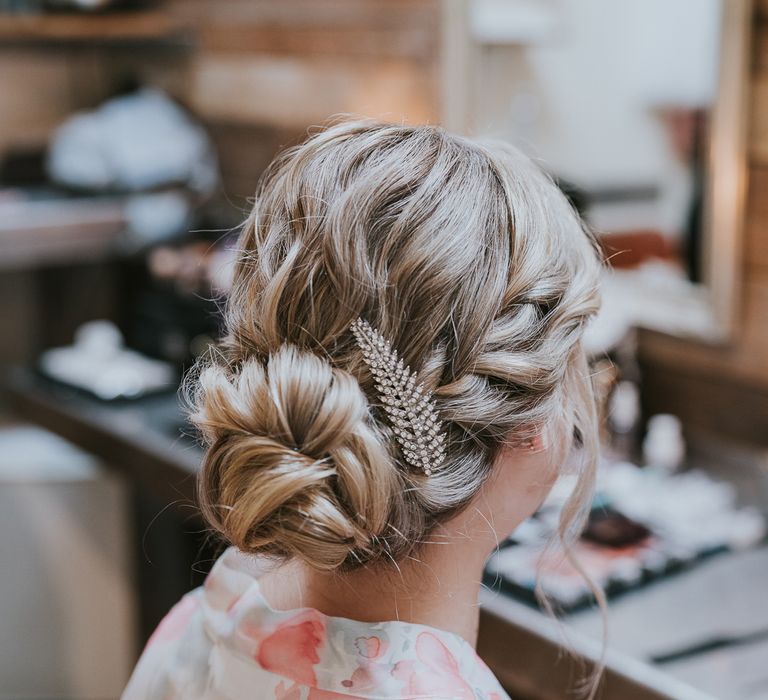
{"type": "Point", "coordinates": [224, 642]}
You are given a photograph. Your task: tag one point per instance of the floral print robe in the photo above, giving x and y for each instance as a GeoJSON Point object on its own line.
{"type": "Point", "coordinates": [223, 642]}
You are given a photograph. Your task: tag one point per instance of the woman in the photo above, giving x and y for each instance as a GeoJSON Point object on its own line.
{"type": "Point", "coordinates": [400, 383]}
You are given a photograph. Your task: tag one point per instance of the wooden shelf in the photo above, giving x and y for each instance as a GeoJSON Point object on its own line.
{"type": "Point", "coordinates": [96, 28]}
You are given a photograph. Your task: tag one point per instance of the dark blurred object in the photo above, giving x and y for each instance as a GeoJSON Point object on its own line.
{"type": "Point", "coordinates": [632, 248]}
{"type": "Point", "coordinates": [174, 327]}
{"type": "Point", "coordinates": [610, 528]}
{"type": "Point", "coordinates": [33, 6]}
{"type": "Point", "coordinates": [688, 134]}
{"type": "Point", "coordinates": [22, 166]}
{"type": "Point", "coordinates": [85, 5]}
{"type": "Point", "coordinates": [574, 194]}
{"type": "Point", "coordinates": [175, 313]}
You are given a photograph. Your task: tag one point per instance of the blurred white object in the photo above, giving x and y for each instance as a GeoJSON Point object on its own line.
{"type": "Point", "coordinates": [512, 21]}
{"type": "Point", "coordinates": [98, 362]}
{"type": "Point", "coordinates": [221, 269]}
{"type": "Point", "coordinates": [664, 445]}
{"type": "Point", "coordinates": [159, 215]}
{"type": "Point", "coordinates": [98, 338]}
{"type": "Point", "coordinates": [655, 295]}
{"type": "Point", "coordinates": [688, 510]}
{"type": "Point", "coordinates": [624, 410]}
{"type": "Point", "coordinates": [67, 605]}
{"type": "Point", "coordinates": [135, 142]}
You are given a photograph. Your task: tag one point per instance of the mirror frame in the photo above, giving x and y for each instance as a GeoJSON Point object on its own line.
{"type": "Point", "coordinates": [727, 179]}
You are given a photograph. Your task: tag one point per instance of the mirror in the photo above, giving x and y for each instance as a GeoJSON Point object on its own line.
{"type": "Point", "coordinates": [637, 110]}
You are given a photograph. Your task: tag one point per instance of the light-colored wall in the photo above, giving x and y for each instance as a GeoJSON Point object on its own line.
{"type": "Point", "coordinates": [584, 96]}
{"type": "Point", "coordinates": [67, 604]}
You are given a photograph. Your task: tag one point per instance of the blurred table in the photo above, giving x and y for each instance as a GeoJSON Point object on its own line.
{"type": "Point", "coordinates": [143, 438]}
{"type": "Point", "coordinates": [721, 598]}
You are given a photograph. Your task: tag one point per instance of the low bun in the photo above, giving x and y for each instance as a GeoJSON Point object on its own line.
{"type": "Point", "coordinates": [294, 465]}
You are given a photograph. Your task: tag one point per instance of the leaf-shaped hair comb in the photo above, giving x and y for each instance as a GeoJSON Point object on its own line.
{"type": "Point", "coordinates": [410, 409]}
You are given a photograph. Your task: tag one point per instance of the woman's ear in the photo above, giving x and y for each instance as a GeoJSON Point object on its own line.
{"type": "Point", "coordinates": [534, 443]}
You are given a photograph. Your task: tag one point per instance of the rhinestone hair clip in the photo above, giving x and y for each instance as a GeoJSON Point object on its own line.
{"type": "Point", "coordinates": [410, 409]}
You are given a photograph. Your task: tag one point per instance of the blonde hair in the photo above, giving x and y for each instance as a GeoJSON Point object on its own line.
{"type": "Point", "coordinates": [473, 264]}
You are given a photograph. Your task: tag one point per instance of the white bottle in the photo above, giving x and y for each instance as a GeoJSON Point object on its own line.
{"type": "Point", "coordinates": [664, 446]}
{"type": "Point", "coordinates": [624, 419]}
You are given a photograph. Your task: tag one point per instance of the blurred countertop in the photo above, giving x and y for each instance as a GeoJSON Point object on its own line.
{"type": "Point", "coordinates": [722, 598]}
{"type": "Point", "coordinates": [142, 438]}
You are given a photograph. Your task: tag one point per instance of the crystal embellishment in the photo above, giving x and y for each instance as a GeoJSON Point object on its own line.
{"type": "Point", "coordinates": [409, 407]}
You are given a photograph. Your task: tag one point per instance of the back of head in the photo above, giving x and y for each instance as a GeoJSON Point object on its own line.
{"type": "Point", "coordinates": [468, 259]}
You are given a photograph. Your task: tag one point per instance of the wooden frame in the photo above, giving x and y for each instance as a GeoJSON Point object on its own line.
{"type": "Point", "coordinates": [727, 163]}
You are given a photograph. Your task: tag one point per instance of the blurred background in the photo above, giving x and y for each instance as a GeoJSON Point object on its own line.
{"type": "Point", "coordinates": [132, 135]}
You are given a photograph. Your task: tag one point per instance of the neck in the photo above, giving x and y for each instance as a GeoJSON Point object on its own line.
{"type": "Point", "coordinates": [438, 587]}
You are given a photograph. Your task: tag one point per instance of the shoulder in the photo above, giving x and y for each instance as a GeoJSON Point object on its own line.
{"type": "Point", "coordinates": [443, 666]}
{"type": "Point", "coordinates": [178, 644]}
{"type": "Point", "coordinates": [176, 657]}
